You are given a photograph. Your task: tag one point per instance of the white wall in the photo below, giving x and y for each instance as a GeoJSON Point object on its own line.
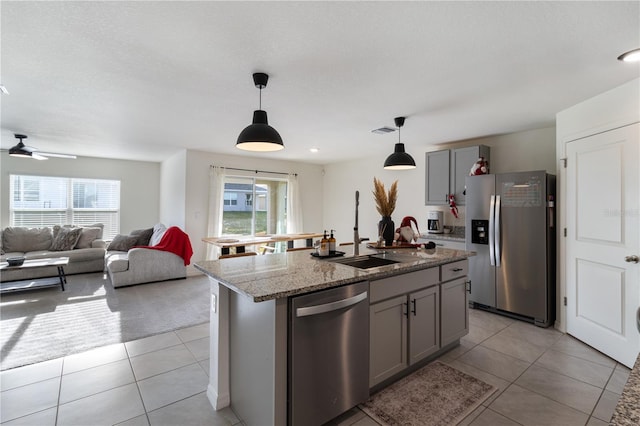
{"type": "Point", "coordinates": [139, 187]}
{"type": "Point", "coordinates": [529, 150]}
{"type": "Point", "coordinates": [173, 190]}
{"type": "Point", "coordinates": [197, 189]}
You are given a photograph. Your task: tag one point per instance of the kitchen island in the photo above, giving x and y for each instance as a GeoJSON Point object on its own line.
{"type": "Point", "coordinates": [250, 318]}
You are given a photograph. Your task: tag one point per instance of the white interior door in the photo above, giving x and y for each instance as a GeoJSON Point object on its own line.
{"type": "Point", "coordinates": [603, 187]}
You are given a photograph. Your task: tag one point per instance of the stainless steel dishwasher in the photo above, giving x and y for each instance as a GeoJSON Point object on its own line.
{"type": "Point", "coordinates": [328, 353]}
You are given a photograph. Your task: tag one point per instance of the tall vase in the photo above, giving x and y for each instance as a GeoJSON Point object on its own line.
{"type": "Point", "coordinates": [387, 229]}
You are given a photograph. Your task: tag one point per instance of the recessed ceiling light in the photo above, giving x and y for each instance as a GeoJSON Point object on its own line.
{"type": "Point", "coordinates": [630, 56]}
{"type": "Point", "coordinates": [314, 150]}
{"type": "Point", "coordinates": [3, 90]}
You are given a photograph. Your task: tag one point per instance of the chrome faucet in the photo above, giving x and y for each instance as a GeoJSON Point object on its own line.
{"type": "Point", "coordinates": [356, 237]}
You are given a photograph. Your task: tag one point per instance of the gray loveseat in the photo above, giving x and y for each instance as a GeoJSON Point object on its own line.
{"type": "Point", "coordinates": [130, 265]}
{"type": "Point", "coordinates": [82, 245]}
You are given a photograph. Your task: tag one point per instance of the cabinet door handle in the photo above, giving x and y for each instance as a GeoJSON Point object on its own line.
{"type": "Point", "coordinates": [468, 283]}
{"type": "Point", "coordinates": [414, 307]}
{"type": "Point", "coordinates": [406, 313]}
{"type": "Point", "coordinates": [457, 269]}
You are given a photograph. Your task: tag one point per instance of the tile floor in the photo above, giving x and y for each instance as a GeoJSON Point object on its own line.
{"type": "Point", "coordinates": [543, 378]}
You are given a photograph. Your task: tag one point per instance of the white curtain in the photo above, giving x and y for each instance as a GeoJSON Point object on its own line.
{"type": "Point", "coordinates": [216, 190]}
{"type": "Point", "coordinates": [294, 206]}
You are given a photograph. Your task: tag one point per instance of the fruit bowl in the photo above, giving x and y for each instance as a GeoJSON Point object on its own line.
{"type": "Point", "coordinates": [15, 261]}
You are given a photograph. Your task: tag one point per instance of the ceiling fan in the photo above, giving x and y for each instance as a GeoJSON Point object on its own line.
{"type": "Point", "coordinates": [21, 150]}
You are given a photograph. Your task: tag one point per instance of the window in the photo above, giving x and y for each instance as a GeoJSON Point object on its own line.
{"type": "Point", "coordinates": [262, 211]}
{"type": "Point", "coordinates": [39, 201]}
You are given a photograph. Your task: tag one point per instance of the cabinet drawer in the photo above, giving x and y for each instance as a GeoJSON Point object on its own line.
{"type": "Point", "coordinates": [454, 270]}
{"type": "Point", "coordinates": [402, 284]}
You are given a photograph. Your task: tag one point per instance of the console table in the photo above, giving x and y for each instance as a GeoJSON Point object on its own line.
{"type": "Point", "coordinates": [31, 284]}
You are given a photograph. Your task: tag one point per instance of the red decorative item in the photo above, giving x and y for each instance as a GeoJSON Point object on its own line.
{"type": "Point", "coordinates": [407, 222]}
{"type": "Point", "coordinates": [480, 167]}
{"type": "Point", "coordinates": [176, 241]}
{"type": "Point", "coordinates": [452, 205]}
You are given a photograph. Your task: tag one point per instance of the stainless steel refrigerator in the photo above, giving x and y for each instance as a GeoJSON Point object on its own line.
{"type": "Point", "coordinates": [510, 224]}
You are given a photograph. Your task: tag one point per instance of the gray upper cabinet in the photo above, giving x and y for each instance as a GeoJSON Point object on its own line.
{"type": "Point", "coordinates": [437, 183]}
{"type": "Point", "coordinates": [446, 171]}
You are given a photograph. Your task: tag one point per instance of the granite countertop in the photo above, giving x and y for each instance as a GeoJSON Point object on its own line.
{"type": "Point", "coordinates": [628, 409]}
{"type": "Point", "coordinates": [457, 235]}
{"type": "Point", "coordinates": [281, 275]}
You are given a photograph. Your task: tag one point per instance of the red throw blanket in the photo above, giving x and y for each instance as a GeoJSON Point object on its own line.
{"type": "Point", "coordinates": [176, 241]}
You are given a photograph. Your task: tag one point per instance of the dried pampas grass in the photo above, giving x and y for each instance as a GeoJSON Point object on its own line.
{"type": "Point", "coordinates": [385, 203]}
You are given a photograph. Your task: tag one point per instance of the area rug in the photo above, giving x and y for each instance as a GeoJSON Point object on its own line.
{"type": "Point", "coordinates": [44, 324]}
{"type": "Point", "coordinates": [437, 394]}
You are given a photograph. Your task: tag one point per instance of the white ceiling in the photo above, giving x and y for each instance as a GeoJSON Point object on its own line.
{"type": "Point", "coordinates": [139, 80]}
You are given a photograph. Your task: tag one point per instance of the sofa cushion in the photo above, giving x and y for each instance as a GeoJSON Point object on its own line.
{"type": "Point", "coordinates": [144, 236]}
{"type": "Point", "coordinates": [65, 238]}
{"type": "Point", "coordinates": [158, 231]}
{"type": "Point", "coordinates": [17, 238]}
{"type": "Point", "coordinates": [87, 236]}
{"type": "Point", "coordinates": [118, 262]}
{"type": "Point", "coordinates": [122, 242]}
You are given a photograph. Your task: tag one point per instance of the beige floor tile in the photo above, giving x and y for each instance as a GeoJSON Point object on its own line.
{"type": "Point", "coordinates": [496, 363]}
{"type": "Point", "coordinates": [366, 421]}
{"type": "Point", "coordinates": [106, 408]}
{"type": "Point", "coordinates": [206, 365]}
{"type": "Point", "coordinates": [95, 380]}
{"type": "Point", "coordinates": [199, 348]}
{"type": "Point", "coordinates": [94, 358]}
{"type": "Point", "coordinates": [136, 421]}
{"type": "Point", "coordinates": [152, 343]}
{"type": "Point", "coordinates": [472, 416]}
{"type": "Point", "coordinates": [489, 320]}
{"type": "Point", "coordinates": [515, 347]}
{"type": "Point", "coordinates": [161, 361]}
{"type": "Point", "coordinates": [578, 368]}
{"type": "Point", "coordinates": [490, 418]}
{"type": "Point", "coordinates": [167, 388]}
{"type": "Point", "coordinates": [193, 333]}
{"type": "Point", "coordinates": [572, 346]}
{"type": "Point", "coordinates": [529, 408]}
{"type": "Point", "coordinates": [606, 406]}
{"type": "Point", "coordinates": [477, 334]}
{"type": "Point", "coordinates": [26, 375]}
{"type": "Point", "coordinates": [499, 383]}
{"type": "Point", "coordinates": [596, 422]}
{"type": "Point", "coordinates": [42, 418]}
{"type": "Point", "coordinates": [464, 347]}
{"type": "Point", "coordinates": [618, 379]}
{"type": "Point", "coordinates": [544, 337]}
{"type": "Point", "coordinates": [195, 410]}
{"type": "Point", "coordinates": [29, 399]}
{"type": "Point", "coordinates": [574, 393]}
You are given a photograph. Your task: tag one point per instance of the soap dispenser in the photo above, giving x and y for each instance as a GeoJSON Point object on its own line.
{"type": "Point", "coordinates": [324, 245]}
{"type": "Point", "coordinates": [332, 242]}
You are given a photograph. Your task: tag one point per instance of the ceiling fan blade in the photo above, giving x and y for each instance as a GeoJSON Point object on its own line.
{"type": "Point", "coordinates": [37, 156]}
{"type": "Point", "coordinates": [52, 154]}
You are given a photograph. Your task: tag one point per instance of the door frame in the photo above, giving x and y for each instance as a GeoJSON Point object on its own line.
{"type": "Point", "coordinates": [610, 110]}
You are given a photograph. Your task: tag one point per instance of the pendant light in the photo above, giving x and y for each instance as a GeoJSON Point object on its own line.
{"type": "Point", "coordinates": [259, 136]}
{"type": "Point", "coordinates": [399, 160]}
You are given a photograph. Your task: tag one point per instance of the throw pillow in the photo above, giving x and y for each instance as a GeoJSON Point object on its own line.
{"type": "Point", "coordinates": [158, 232]}
{"type": "Point", "coordinates": [17, 238]}
{"type": "Point", "coordinates": [65, 238]}
{"type": "Point", "coordinates": [144, 236]}
{"type": "Point", "coordinates": [122, 242]}
{"type": "Point", "coordinates": [87, 236]}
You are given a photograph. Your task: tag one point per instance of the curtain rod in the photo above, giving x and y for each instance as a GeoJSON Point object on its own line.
{"type": "Point", "coordinates": [257, 171]}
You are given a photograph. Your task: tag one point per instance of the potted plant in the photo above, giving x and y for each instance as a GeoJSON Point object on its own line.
{"type": "Point", "coordinates": [385, 204]}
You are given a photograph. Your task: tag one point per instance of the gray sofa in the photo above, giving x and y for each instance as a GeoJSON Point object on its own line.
{"type": "Point", "coordinates": [138, 265]}
{"type": "Point", "coordinates": [82, 245]}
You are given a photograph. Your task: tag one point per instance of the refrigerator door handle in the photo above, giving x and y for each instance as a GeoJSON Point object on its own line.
{"type": "Point", "coordinates": [492, 207]}
{"type": "Point", "coordinates": [496, 239]}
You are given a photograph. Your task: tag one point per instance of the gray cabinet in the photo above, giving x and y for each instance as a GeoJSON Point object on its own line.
{"type": "Point", "coordinates": [388, 334]}
{"type": "Point", "coordinates": [424, 324]}
{"type": "Point", "coordinates": [454, 317]}
{"type": "Point", "coordinates": [446, 171]}
{"type": "Point", "coordinates": [454, 302]}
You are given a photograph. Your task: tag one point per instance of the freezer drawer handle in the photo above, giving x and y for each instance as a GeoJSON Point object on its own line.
{"type": "Point", "coordinates": [333, 306]}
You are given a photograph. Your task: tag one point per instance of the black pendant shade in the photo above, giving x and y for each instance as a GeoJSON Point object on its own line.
{"type": "Point", "coordinates": [259, 136]}
{"type": "Point", "coordinates": [399, 160]}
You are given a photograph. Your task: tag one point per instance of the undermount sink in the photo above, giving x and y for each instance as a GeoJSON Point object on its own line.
{"type": "Point", "coordinates": [364, 262]}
